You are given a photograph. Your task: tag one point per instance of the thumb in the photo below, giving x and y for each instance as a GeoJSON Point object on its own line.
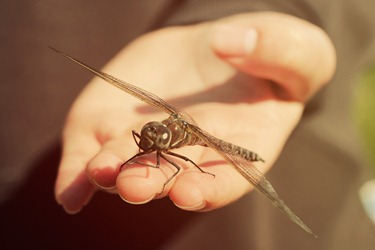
{"type": "Point", "coordinates": [293, 53]}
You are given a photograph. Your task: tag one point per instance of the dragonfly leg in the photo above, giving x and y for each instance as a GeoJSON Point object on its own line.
{"type": "Point", "coordinates": [135, 134]}
{"type": "Point", "coordinates": [170, 178]}
{"type": "Point", "coordinates": [150, 165]}
{"type": "Point", "coordinates": [158, 155]}
{"type": "Point", "coordinates": [129, 161]}
{"type": "Point", "coordinates": [187, 159]}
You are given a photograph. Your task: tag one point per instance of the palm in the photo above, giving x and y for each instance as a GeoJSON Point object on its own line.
{"type": "Point", "coordinates": [247, 131]}
{"type": "Point", "coordinates": [232, 106]}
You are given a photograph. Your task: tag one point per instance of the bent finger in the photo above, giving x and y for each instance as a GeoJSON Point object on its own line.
{"type": "Point", "coordinates": [104, 168]}
{"type": "Point", "coordinates": [73, 189]}
{"type": "Point", "coordinates": [197, 191]}
{"type": "Point", "coordinates": [289, 51]}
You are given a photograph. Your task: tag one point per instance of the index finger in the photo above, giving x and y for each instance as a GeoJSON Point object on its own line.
{"type": "Point", "coordinates": [73, 189]}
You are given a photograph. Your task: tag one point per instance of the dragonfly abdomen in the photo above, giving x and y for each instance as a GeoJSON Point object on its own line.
{"type": "Point", "coordinates": [243, 152]}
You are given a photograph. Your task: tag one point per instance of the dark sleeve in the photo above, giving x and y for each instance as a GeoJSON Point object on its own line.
{"type": "Point", "coordinates": [188, 12]}
{"type": "Point", "coordinates": [348, 23]}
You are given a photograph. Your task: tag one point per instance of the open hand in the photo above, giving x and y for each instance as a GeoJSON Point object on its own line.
{"type": "Point", "coordinates": [244, 79]}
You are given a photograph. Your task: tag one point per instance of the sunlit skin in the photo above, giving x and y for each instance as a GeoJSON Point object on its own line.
{"type": "Point", "coordinates": [193, 67]}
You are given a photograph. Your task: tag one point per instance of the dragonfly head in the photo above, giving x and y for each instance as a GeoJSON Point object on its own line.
{"type": "Point", "coordinates": [155, 136]}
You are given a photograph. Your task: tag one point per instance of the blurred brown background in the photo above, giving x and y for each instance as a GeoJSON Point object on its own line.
{"type": "Point", "coordinates": [37, 87]}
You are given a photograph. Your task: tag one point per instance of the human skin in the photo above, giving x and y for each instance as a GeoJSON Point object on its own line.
{"type": "Point", "coordinates": [245, 79]}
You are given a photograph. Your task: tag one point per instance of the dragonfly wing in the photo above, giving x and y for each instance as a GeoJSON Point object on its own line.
{"type": "Point", "coordinates": [242, 165]}
{"type": "Point", "coordinates": [131, 89]}
{"type": "Point", "coordinates": [246, 168]}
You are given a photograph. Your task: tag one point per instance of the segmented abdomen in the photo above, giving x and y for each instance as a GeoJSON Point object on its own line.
{"type": "Point", "coordinates": [243, 152]}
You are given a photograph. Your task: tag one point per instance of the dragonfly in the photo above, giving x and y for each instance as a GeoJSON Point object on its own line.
{"type": "Point", "coordinates": [180, 130]}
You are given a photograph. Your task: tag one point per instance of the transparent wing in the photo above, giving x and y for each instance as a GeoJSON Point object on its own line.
{"type": "Point", "coordinates": [225, 149]}
{"type": "Point", "coordinates": [246, 168]}
{"type": "Point", "coordinates": [135, 91]}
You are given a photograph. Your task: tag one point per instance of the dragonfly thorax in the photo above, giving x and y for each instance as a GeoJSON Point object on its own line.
{"type": "Point", "coordinates": [155, 136]}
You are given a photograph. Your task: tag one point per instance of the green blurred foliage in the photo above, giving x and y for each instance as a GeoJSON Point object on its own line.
{"type": "Point", "coordinates": [364, 112]}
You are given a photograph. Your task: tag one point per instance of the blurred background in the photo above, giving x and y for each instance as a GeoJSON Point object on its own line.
{"type": "Point", "coordinates": [36, 90]}
{"type": "Point", "coordinates": [364, 115]}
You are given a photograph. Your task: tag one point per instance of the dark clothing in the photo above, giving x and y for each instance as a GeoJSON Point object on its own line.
{"type": "Point", "coordinates": [320, 182]}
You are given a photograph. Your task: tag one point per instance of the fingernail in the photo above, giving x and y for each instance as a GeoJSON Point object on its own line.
{"type": "Point", "coordinates": [194, 207]}
{"type": "Point", "coordinates": [138, 202]}
{"type": "Point", "coordinates": [232, 40]}
{"type": "Point", "coordinates": [106, 182]}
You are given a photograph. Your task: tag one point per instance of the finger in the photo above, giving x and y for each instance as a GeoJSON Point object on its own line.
{"type": "Point", "coordinates": [73, 189]}
{"type": "Point", "coordinates": [137, 182]}
{"type": "Point", "coordinates": [103, 169]}
{"type": "Point", "coordinates": [285, 49]}
{"type": "Point", "coordinates": [196, 191]}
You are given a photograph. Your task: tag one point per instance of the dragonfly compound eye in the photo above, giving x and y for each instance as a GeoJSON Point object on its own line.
{"type": "Point", "coordinates": [155, 136]}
